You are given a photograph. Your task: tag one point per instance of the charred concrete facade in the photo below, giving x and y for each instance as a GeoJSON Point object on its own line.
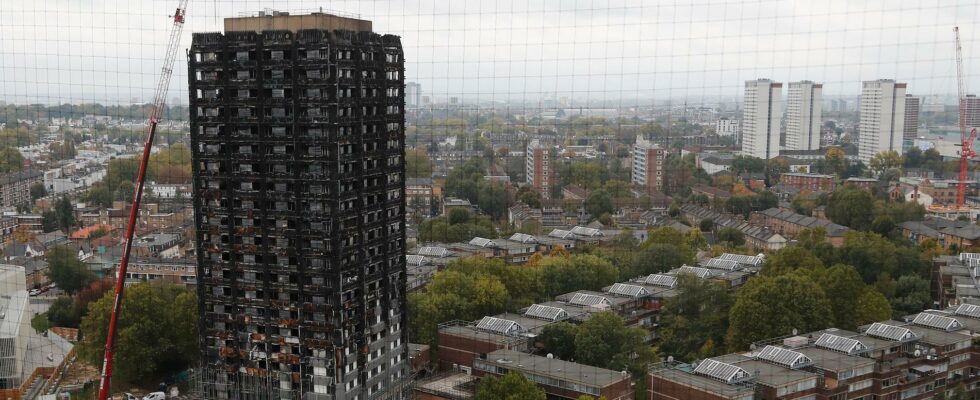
{"type": "Point", "coordinates": [297, 129]}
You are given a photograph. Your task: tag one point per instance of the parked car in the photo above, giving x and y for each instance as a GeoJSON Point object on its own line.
{"type": "Point", "coordinates": [34, 292]}
{"type": "Point", "coordinates": [155, 396]}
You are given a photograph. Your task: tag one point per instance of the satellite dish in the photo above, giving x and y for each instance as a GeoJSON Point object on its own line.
{"type": "Point", "coordinates": [670, 359]}
{"type": "Point", "coordinates": [918, 353]}
{"type": "Point", "coordinates": [551, 355]}
{"type": "Point", "coordinates": [795, 331]}
{"type": "Point", "coordinates": [752, 346]}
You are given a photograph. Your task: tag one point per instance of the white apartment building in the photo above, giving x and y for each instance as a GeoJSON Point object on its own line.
{"type": "Point", "coordinates": [648, 164]}
{"type": "Point", "coordinates": [727, 127]}
{"type": "Point", "coordinates": [804, 104]}
{"type": "Point", "coordinates": [761, 118]}
{"type": "Point", "coordinates": [882, 118]}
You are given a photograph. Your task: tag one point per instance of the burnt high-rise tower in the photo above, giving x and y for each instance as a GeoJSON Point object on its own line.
{"type": "Point", "coordinates": [297, 128]}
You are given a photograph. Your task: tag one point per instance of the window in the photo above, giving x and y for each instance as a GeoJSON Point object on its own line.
{"type": "Point", "coordinates": [859, 385]}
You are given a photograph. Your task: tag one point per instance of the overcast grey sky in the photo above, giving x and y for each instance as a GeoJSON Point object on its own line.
{"type": "Point", "coordinates": [110, 51]}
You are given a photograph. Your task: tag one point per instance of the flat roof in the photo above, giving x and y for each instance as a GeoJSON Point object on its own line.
{"type": "Point", "coordinates": [684, 376]}
{"type": "Point", "coordinates": [773, 375]}
{"type": "Point", "coordinates": [937, 337]}
{"type": "Point", "coordinates": [295, 23]}
{"type": "Point", "coordinates": [470, 332]}
{"type": "Point", "coordinates": [533, 325]}
{"type": "Point", "coordinates": [555, 368]}
{"type": "Point", "coordinates": [833, 361]}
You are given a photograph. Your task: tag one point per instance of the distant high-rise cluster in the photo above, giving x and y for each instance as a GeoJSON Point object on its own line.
{"type": "Point", "coordinates": [761, 118]}
{"type": "Point", "coordinates": [882, 120]}
{"type": "Point", "coordinates": [889, 118]}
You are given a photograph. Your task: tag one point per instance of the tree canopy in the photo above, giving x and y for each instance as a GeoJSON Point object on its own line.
{"type": "Point", "coordinates": [512, 386]}
{"type": "Point", "coordinates": [852, 207]}
{"type": "Point", "coordinates": [66, 270]}
{"type": "Point", "coordinates": [693, 323]}
{"type": "Point", "coordinates": [157, 332]}
{"type": "Point", "coordinates": [605, 341]}
{"type": "Point", "coordinates": [768, 307]}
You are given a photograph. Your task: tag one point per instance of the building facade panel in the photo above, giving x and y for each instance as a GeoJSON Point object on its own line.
{"type": "Point", "coordinates": [298, 158]}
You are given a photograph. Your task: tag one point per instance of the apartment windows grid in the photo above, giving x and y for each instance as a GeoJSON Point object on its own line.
{"type": "Point", "coordinates": [305, 285]}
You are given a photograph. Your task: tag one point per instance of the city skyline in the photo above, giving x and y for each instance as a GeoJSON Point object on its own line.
{"type": "Point", "coordinates": [482, 51]}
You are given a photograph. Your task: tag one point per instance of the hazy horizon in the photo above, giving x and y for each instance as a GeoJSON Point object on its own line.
{"type": "Point", "coordinates": [627, 51]}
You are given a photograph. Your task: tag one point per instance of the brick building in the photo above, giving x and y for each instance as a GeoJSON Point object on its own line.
{"type": "Point", "coordinates": [926, 355]}
{"type": "Point", "coordinates": [15, 187]}
{"type": "Point", "coordinates": [811, 182]}
{"type": "Point", "coordinates": [648, 165]}
{"type": "Point", "coordinates": [538, 168]}
{"type": "Point", "coordinates": [789, 224]}
{"type": "Point", "coordinates": [558, 378]}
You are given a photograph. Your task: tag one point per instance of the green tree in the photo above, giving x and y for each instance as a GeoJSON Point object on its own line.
{"type": "Point", "coordinates": [911, 295]}
{"type": "Point", "coordinates": [873, 255]}
{"type": "Point", "coordinates": [599, 202]}
{"type": "Point", "coordinates": [693, 323]}
{"type": "Point", "coordinates": [558, 339]}
{"type": "Point", "coordinates": [66, 270]}
{"type": "Point", "coordinates": [99, 194]}
{"type": "Point", "coordinates": [730, 235]}
{"type": "Point", "coordinates": [654, 258]}
{"type": "Point", "coordinates": [871, 306]}
{"type": "Point", "coordinates": [459, 216]}
{"type": "Point", "coordinates": [417, 163]}
{"type": "Point", "coordinates": [748, 164]}
{"type": "Point", "coordinates": [10, 160]}
{"type": "Point", "coordinates": [62, 313]}
{"type": "Point", "coordinates": [512, 386]}
{"type": "Point", "coordinates": [157, 332]}
{"type": "Point", "coordinates": [38, 191]}
{"type": "Point", "coordinates": [885, 160]}
{"type": "Point", "coordinates": [789, 259]}
{"type": "Point", "coordinates": [768, 307]}
{"type": "Point", "coordinates": [529, 196]}
{"type": "Point", "coordinates": [834, 161]}
{"type": "Point", "coordinates": [617, 189]}
{"type": "Point", "coordinates": [605, 341]}
{"type": "Point", "coordinates": [853, 207]}
{"type": "Point", "coordinates": [843, 287]}
{"type": "Point", "coordinates": [121, 170]}
{"type": "Point", "coordinates": [125, 192]}
{"type": "Point", "coordinates": [65, 214]}
{"type": "Point", "coordinates": [581, 271]}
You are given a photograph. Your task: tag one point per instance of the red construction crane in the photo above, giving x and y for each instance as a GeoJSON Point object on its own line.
{"type": "Point", "coordinates": [966, 140]}
{"type": "Point", "coordinates": [155, 114]}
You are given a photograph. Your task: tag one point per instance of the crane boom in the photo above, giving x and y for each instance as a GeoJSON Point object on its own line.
{"type": "Point", "coordinates": [966, 139]}
{"type": "Point", "coordinates": [156, 112]}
